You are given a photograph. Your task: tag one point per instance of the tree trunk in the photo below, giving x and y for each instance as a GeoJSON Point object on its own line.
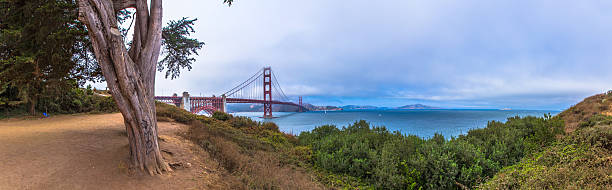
{"type": "Point", "coordinates": [130, 74]}
{"type": "Point", "coordinates": [32, 106]}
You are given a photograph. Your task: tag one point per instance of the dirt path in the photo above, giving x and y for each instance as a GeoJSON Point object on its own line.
{"type": "Point", "coordinates": [90, 152]}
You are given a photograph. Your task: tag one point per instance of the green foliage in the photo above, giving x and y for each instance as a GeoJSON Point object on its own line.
{"type": "Point", "coordinates": [243, 122]}
{"type": "Point", "coordinates": [75, 100]}
{"type": "Point", "coordinates": [598, 119]}
{"type": "Point", "coordinates": [221, 116]}
{"type": "Point", "coordinates": [42, 47]}
{"type": "Point", "coordinates": [390, 160]}
{"type": "Point", "coordinates": [256, 154]}
{"type": "Point", "coordinates": [248, 134]}
{"type": "Point", "coordinates": [581, 160]}
{"type": "Point", "coordinates": [178, 47]}
{"type": "Point", "coordinates": [164, 110]}
{"type": "Point", "coordinates": [270, 126]}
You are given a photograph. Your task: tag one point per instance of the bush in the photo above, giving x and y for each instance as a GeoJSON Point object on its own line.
{"type": "Point", "coordinates": [255, 155]}
{"type": "Point", "coordinates": [390, 160]}
{"type": "Point", "coordinates": [76, 100]}
{"type": "Point", "coordinates": [598, 119]}
{"type": "Point", "coordinates": [582, 160]}
{"type": "Point", "coordinates": [176, 113]}
{"type": "Point", "coordinates": [243, 122]}
{"type": "Point", "coordinates": [270, 126]}
{"type": "Point", "coordinates": [221, 116]}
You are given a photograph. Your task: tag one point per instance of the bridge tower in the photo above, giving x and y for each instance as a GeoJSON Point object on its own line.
{"type": "Point", "coordinates": [185, 102]}
{"type": "Point", "coordinates": [267, 85]}
{"type": "Point", "coordinates": [224, 104]}
{"type": "Point", "coordinates": [301, 104]}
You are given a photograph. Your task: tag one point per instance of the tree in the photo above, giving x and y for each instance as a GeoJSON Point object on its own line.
{"type": "Point", "coordinates": [44, 46]}
{"type": "Point", "coordinates": [41, 47]}
{"type": "Point", "coordinates": [130, 71]}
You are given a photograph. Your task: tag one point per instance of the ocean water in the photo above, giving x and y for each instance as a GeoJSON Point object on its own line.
{"type": "Point", "coordinates": [423, 123]}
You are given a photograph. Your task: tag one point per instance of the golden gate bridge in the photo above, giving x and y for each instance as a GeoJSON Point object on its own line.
{"type": "Point", "coordinates": [261, 88]}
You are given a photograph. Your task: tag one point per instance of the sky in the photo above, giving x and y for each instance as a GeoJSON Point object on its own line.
{"type": "Point", "coordinates": [532, 54]}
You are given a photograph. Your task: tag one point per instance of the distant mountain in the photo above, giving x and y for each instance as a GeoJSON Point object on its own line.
{"type": "Point", "coordinates": [321, 108]}
{"type": "Point", "coordinates": [356, 107]}
{"type": "Point", "coordinates": [417, 107]}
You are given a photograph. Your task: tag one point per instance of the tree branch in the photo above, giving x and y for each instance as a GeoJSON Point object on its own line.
{"type": "Point", "coordinates": [123, 4]}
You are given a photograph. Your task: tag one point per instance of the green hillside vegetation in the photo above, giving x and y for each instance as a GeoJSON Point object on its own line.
{"type": "Point", "coordinates": [579, 160]}
{"type": "Point", "coordinates": [255, 154]}
{"type": "Point", "coordinates": [589, 107]}
{"type": "Point", "coordinates": [582, 160]}
{"type": "Point", "coordinates": [523, 153]}
{"type": "Point", "coordinates": [383, 159]}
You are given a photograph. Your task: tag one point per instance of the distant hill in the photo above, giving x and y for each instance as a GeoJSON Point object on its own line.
{"type": "Point", "coordinates": [356, 107]}
{"type": "Point", "coordinates": [417, 107]}
{"type": "Point", "coordinates": [321, 108]}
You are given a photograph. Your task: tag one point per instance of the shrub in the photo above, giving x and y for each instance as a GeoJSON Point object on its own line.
{"type": "Point", "coordinates": [221, 116]}
{"type": "Point", "coordinates": [247, 151]}
{"type": "Point", "coordinates": [390, 160]}
{"type": "Point", "coordinates": [270, 126]}
{"type": "Point", "coordinates": [582, 160]}
{"type": "Point", "coordinates": [76, 100]}
{"type": "Point", "coordinates": [243, 122]}
{"type": "Point", "coordinates": [598, 119]}
{"type": "Point", "coordinates": [176, 113]}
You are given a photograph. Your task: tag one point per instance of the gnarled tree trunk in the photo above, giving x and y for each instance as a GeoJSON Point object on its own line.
{"type": "Point", "coordinates": [130, 74]}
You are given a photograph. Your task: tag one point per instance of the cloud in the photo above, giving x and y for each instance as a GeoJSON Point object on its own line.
{"type": "Point", "coordinates": [449, 53]}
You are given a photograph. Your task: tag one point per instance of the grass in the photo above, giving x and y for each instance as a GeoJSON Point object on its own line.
{"type": "Point", "coordinates": [256, 155]}
{"type": "Point", "coordinates": [581, 159]}
{"type": "Point", "coordinates": [589, 107]}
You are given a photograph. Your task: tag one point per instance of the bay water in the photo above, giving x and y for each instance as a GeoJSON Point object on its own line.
{"type": "Point", "coordinates": [423, 123]}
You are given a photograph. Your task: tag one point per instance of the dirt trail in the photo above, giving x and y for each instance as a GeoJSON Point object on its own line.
{"type": "Point", "coordinates": [90, 152]}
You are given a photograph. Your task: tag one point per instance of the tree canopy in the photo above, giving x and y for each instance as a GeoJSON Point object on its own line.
{"type": "Point", "coordinates": [45, 49]}
{"type": "Point", "coordinates": [42, 47]}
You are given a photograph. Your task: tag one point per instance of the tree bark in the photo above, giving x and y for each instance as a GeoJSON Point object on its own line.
{"type": "Point", "coordinates": [32, 106]}
{"type": "Point", "coordinates": [130, 74]}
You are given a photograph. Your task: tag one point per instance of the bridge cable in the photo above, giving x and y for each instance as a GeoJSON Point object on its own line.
{"type": "Point", "coordinates": [279, 88]}
{"type": "Point", "coordinates": [243, 84]}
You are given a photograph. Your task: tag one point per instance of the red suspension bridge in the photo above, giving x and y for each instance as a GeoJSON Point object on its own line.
{"type": "Point", "coordinates": [260, 88]}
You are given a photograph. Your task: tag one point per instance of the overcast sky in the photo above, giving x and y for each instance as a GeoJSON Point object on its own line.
{"type": "Point", "coordinates": [446, 53]}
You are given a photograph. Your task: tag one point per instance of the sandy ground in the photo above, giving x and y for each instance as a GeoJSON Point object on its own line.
{"type": "Point", "coordinates": [90, 152]}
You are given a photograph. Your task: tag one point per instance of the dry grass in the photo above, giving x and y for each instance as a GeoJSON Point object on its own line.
{"type": "Point", "coordinates": [254, 155]}
{"type": "Point", "coordinates": [582, 160]}
{"type": "Point", "coordinates": [579, 160]}
{"type": "Point", "coordinates": [581, 112]}
{"type": "Point", "coordinates": [250, 167]}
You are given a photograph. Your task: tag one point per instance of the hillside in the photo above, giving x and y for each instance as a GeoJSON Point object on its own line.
{"type": "Point", "coordinates": [90, 151]}
{"type": "Point", "coordinates": [357, 107]}
{"type": "Point", "coordinates": [252, 155]}
{"type": "Point", "coordinates": [417, 106]}
{"type": "Point", "coordinates": [581, 112]}
{"type": "Point", "coordinates": [227, 152]}
{"type": "Point", "coordinates": [582, 159]}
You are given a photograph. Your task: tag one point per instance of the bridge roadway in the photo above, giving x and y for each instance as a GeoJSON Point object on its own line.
{"type": "Point", "coordinates": [212, 104]}
{"type": "Point", "coordinates": [257, 89]}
